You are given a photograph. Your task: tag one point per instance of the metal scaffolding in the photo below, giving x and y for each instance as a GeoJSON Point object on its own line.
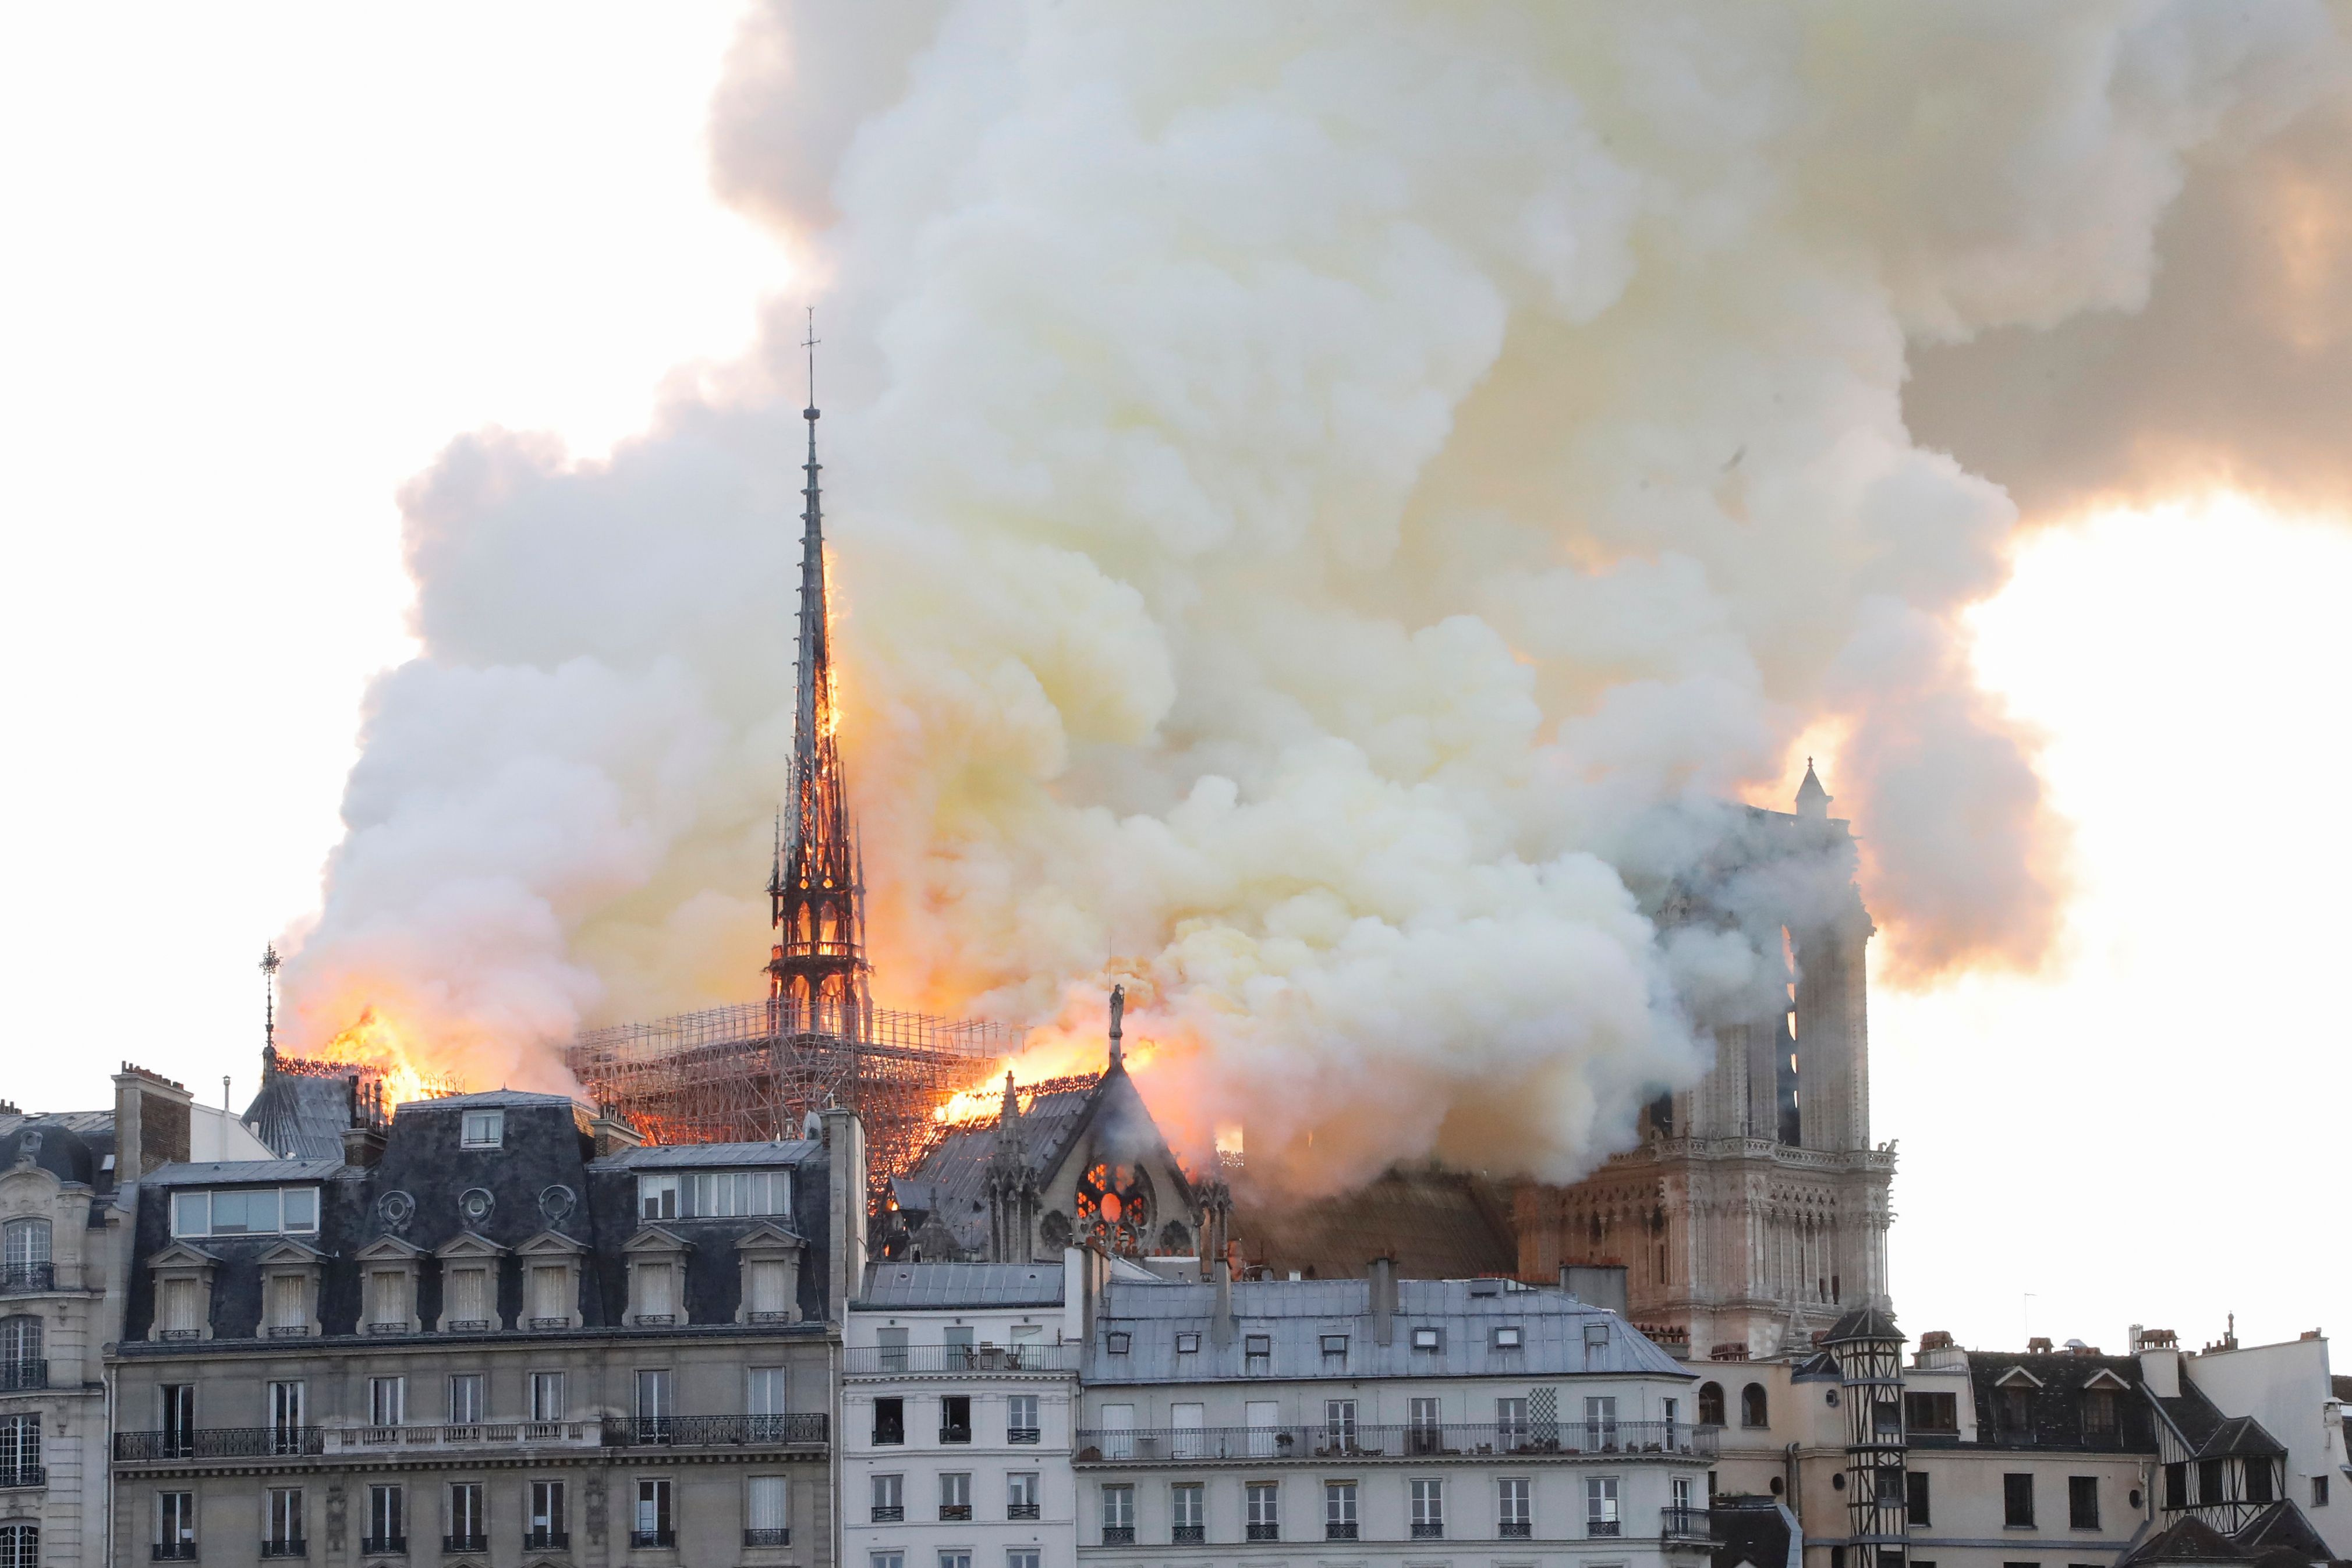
{"type": "Point", "coordinates": [754, 1071]}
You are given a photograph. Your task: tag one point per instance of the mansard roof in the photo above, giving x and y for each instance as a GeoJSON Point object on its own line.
{"type": "Point", "coordinates": [243, 1172]}
{"type": "Point", "coordinates": [914, 1287]}
{"type": "Point", "coordinates": [712, 1156]}
{"type": "Point", "coordinates": [2052, 1384]}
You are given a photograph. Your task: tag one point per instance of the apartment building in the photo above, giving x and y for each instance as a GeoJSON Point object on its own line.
{"type": "Point", "coordinates": [496, 1332]}
{"type": "Point", "coordinates": [1375, 1420]}
{"type": "Point", "coordinates": [959, 1394]}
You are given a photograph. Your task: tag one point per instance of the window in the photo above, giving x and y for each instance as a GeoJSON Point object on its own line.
{"type": "Point", "coordinates": [1916, 1508]}
{"type": "Point", "coordinates": [955, 1419]}
{"type": "Point", "coordinates": [763, 1399]}
{"type": "Point", "coordinates": [952, 1558]}
{"type": "Point", "coordinates": [891, 1348]}
{"type": "Point", "coordinates": [652, 1526]}
{"type": "Point", "coordinates": [1601, 1506]}
{"type": "Point", "coordinates": [1189, 1424]}
{"type": "Point", "coordinates": [889, 1498]}
{"type": "Point", "coordinates": [955, 1494]}
{"type": "Point", "coordinates": [387, 1299]}
{"type": "Point", "coordinates": [283, 1531]}
{"type": "Point", "coordinates": [2016, 1409]}
{"type": "Point", "coordinates": [1513, 1521]}
{"type": "Point", "coordinates": [547, 1397]}
{"type": "Point", "coordinates": [1020, 1495]}
{"type": "Point", "coordinates": [1334, 1345]}
{"type": "Point", "coordinates": [1711, 1403]}
{"type": "Point", "coordinates": [1020, 1557]}
{"type": "Point", "coordinates": [175, 1526]}
{"type": "Point", "coordinates": [245, 1211]}
{"type": "Point", "coordinates": [1338, 1511]}
{"type": "Point", "coordinates": [25, 1254]}
{"type": "Point", "coordinates": [657, 1197]}
{"type": "Point", "coordinates": [1672, 1410]}
{"type": "Point", "coordinates": [1257, 1353]}
{"type": "Point", "coordinates": [1187, 1520]}
{"type": "Point", "coordinates": [290, 1304]}
{"type": "Point", "coordinates": [465, 1400]}
{"type": "Point", "coordinates": [653, 1406]}
{"type": "Point", "coordinates": [725, 1194]}
{"type": "Point", "coordinates": [2016, 1502]}
{"type": "Point", "coordinates": [1118, 1516]}
{"type": "Point", "coordinates": [1188, 1345]}
{"type": "Point", "coordinates": [2258, 1480]}
{"type": "Point", "coordinates": [468, 1524]}
{"type": "Point", "coordinates": [1600, 1423]}
{"type": "Point", "coordinates": [466, 1306]}
{"type": "Point", "coordinates": [1752, 1412]}
{"type": "Point", "coordinates": [2176, 1486]}
{"type": "Point", "coordinates": [1118, 1341]}
{"type": "Point", "coordinates": [484, 1130]}
{"type": "Point", "coordinates": [1260, 1416]}
{"type": "Point", "coordinates": [20, 1546]}
{"type": "Point", "coordinates": [887, 1560]}
{"type": "Point", "coordinates": [955, 1345]}
{"type": "Point", "coordinates": [890, 1422]}
{"type": "Point", "coordinates": [2319, 1491]}
{"type": "Point", "coordinates": [1428, 1339]}
{"type": "Point", "coordinates": [551, 1296]}
{"type": "Point", "coordinates": [1506, 1337]}
{"type": "Point", "coordinates": [2098, 1412]}
{"type": "Point", "coordinates": [1340, 1424]}
{"type": "Point", "coordinates": [2083, 1503]}
{"type": "Point", "coordinates": [387, 1520]}
{"type": "Point", "coordinates": [2209, 1481]}
{"type": "Point", "coordinates": [1264, 1519]}
{"type": "Point", "coordinates": [1424, 1433]}
{"type": "Point", "coordinates": [1428, 1498]}
{"type": "Point", "coordinates": [20, 1450]}
{"type": "Point", "coordinates": [286, 1433]}
{"type": "Point", "coordinates": [765, 1521]}
{"type": "Point", "coordinates": [1932, 1412]}
{"type": "Point", "coordinates": [1021, 1418]}
{"type": "Point", "coordinates": [1510, 1425]}
{"type": "Point", "coordinates": [546, 1530]}
{"type": "Point", "coordinates": [387, 1401]}
{"type": "Point", "coordinates": [178, 1419]}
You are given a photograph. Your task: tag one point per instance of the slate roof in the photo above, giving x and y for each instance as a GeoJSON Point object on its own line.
{"type": "Point", "coordinates": [2210, 1435]}
{"type": "Point", "coordinates": [2282, 1525]}
{"type": "Point", "coordinates": [2054, 1403]}
{"type": "Point", "coordinates": [2187, 1540]}
{"type": "Point", "coordinates": [907, 1286]}
{"type": "Point", "coordinates": [1759, 1530]}
{"type": "Point", "coordinates": [234, 1173]}
{"type": "Point", "coordinates": [950, 1184]}
{"type": "Point", "coordinates": [302, 1117]}
{"type": "Point", "coordinates": [1862, 1323]}
{"type": "Point", "coordinates": [1436, 1224]}
{"type": "Point", "coordinates": [1294, 1315]}
{"type": "Point", "coordinates": [73, 1146]}
{"type": "Point", "coordinates": [711, 1156]}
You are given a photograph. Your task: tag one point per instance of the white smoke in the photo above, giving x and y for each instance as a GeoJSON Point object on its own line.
{"type": "Point", "coordinates": [1325, 500]}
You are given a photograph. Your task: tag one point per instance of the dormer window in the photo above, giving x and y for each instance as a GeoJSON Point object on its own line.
{"type": "Point", "coordinates": [1118, 1341]}
{"type": "Point", "coordinates": [1506, 1337]}
{"type": "Point", "coordinates": [484, 1130]}
{"type": "Point", "coordinates": [1258, 1350]}
{"type": "Point", "coordinates": [714, 1194]}
{"type": "Point", "coordinates": [1335, 1344]}
{"type": "Point", "coordinates": [1428, 1339]}
{"type": "Point", "coordinates": [1188, 1345]}
{"type": "Point", "coordinates": [245, 1211]}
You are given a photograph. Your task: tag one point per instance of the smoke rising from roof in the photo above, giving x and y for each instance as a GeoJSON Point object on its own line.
{"type": "Point", "coordinates": [1328, 500]}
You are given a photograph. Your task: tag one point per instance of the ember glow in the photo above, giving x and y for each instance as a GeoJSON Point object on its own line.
{"type": "Point", "coordinates": [377, 1045]}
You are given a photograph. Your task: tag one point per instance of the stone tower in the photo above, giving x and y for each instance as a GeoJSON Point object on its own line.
{"type": "Point", "coordinates": [1755, 1213]}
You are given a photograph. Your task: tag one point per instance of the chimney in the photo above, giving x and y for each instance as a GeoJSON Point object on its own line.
{"type": "Point", "coordinates": [1221, 1307]}
{"type": "Point", "coordinates": [1383, 1272]}
{"type": "Point", "coordinates": [612, 1133]}
{"type": "Point", "coordinates": [845, 1145]}
{"type": "Point", "coordinates": [1596, 1284]}
{"type": "Point", "coordinates": [150, 1122]}
{"type": "Point", "coordinates": [364, 1139]}
{"type": "Point", "coordinates": [2159, 1368]}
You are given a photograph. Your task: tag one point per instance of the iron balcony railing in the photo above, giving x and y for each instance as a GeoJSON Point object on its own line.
{"type": "Point", "coordinates": [24, 1374]}
{"type": "Point", "coordinates": [780, 1536]}
{"type": "Point", "coordinates": [1515, 1530]}
{"type": "Point", "coordinates": [652, 1538]}
{"type": "Point", "coordinates": [956, 1360]}
{"type": "Point", "coordinates": [1180, 1444]}
{"type": "Point", "coordinates": [955, 1510]}
{"type": "Point", "coordinates": [17, 1279]}
{"type": "Point", "coordinates": [547, 1541]}
{"type": "Point", "coordinates": [453, 1543]}
{"type": "Point", "coordinates": [1687, 1524]}
{"type": "Point", "coordinates": [801, 1428]}
{"type": "Point", "coordinates": [889, 1513]}
{"type": "Point", "coordinates": [286, 1549]}
{"type": "Point", "coordinates": [1024, 1434]}
{"type": "Point", "coordinates": [1187, 1534]}
{"type": "Point", "coordinates": [24, 1476]}
{"type": "Point", "coordinates": [1263, 1531]}
{"type": "Point", "coordinates": [221, 1443]}
{"type": "Point", "coordinates": [1118, 1535]}
{"type": "Point", "coordinates": [1021, 1511]}
{"type": "Point", "coordinates": [1429, 1530]}
{"type": "Point", "coordinates": [1339, 1530]}
{"type": "Point", "coordinates": [1603, 1528]}
{"type": "Point", "coordinates": [173, 1552]}
{"type": "Point", "coordinates": [383, 1546]}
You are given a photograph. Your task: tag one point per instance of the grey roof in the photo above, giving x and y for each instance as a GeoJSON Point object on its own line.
{"type": "Point", "coordinates": [489, 1100]}
{"type": "Point", "coordinates": [907, 1286]}
{"type": "Point", "coordinates": [707, 1156]}
{"type": "Point", "coordinates": [1294, 1314]}
{"type": "Point", "coordinates": [72, 1121]}
{"type": "Point", "coordinates": [952, 1183]}
{"type": "Point", "coordinates": [302, 1117]}
{"type": "Point", "coordinates": [234, 1173]}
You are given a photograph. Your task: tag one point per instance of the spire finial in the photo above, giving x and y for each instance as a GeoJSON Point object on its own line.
{"type": "Point", "coordinates": [1118, 1012]}
{"type": "Point", "coordinates": [269, 962]}
{"type": "Point", "coordinates": [810, 343]}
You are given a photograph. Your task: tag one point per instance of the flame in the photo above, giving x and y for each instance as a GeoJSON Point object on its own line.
{"type": "Point", "coordinates": [378, 1045]}
{"type": "Point", "coordinates": [1057, 1055]}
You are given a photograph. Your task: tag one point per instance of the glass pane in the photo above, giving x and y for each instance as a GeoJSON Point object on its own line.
{"type": "Point", "coordinates": [192, 1213]}
{"type": "Point", "coordinates": [303, 1209]}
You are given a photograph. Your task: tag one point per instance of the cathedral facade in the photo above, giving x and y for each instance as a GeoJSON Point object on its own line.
{"type": "Point", "coordinates": [1754, 1214]}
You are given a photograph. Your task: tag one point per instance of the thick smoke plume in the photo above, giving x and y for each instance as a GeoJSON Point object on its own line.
{"type": "Point", "coordinates": [1328, 500]}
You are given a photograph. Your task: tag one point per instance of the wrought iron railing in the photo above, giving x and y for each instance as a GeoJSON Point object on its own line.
{"type": "Point", "coordinates": [780, 1536]}
{"type": "Point", "coordinates": [221, 1443]}
{"type": "Point", "coordinates": [1339, 1530]}
{"type": "Point", "coordinates": [1263, 1531]}
{"type": "Point", "coordinates": [955, 1510]}
{"type": "Point", "coordinates": [1428, 1529]}
{"type": "Point", "coordinates": [24, 1476]}
{"type": "Point", "coordinates": [24, 1372]}
{"type": "Point", "coordinates": [547, 1541]}
{"type": "Point", "coordinates": [1023, 1435]}
{"type": "Point", "coordinates": [383, 1546]}
{"type": "Point", "coordinates": [16, 1279]}
{"type": "Point", "coordinates": [925, 1360]}
{"type": "Point", "coordinates": [1179, 1445]}
{"type": "Point", "coordinates": [1687, 1524]}
{"type": "Point", "coordinates": [173, 1552]}
{"type": "Point", "coordinates": [652, 1538]}
{"type": "Point", "coordinates": [285, 1549]}
{"type": "Point", "coordinates": [1603, 1528]}
{"type": "Point", "coordinates": [1187, 1534]}
{"type": "Point", "coordinates": [801, 1427]}
{"type": "Point", "coordinates": [464, 1543]}
{"type": "Point", "coordinates": [1515, 1529]}
{"type": "Point", "coordinates": [1021, 1511]}
{"type": "Point", "coordinates": [889, 1513]}
{"type": "Point", "coordinates": [1118, 1535]}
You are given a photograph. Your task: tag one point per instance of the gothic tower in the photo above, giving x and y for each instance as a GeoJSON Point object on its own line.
{"type": "Point", "coordinates": [817, 972]}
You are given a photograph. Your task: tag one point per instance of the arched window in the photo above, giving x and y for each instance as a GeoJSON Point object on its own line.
{"type": "Point", "coordinates": [25, 1254]}
{"type": "Point", "coordinates": [20, 1340]}
{"type": "Point", "coordinates": [1751, 1405]}
{"type": "Point", "coordinates": [20, 1546]}
{"type": "Point", "coordinates": [1711, 1403]}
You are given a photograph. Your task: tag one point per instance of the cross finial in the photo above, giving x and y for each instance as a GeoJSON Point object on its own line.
{"type": "Point", "coordinates": [269, 962]}
{"type": "Point", "coordinates": [810, 343]}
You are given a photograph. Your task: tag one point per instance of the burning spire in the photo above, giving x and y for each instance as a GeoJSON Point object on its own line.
{"type": "Point", "coordinates": [816, 968]}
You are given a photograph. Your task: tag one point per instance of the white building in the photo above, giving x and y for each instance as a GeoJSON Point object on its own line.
{"type": "Point", "coordinates": [958, 1399]}
{"type": "Point", "coordinates": [1413, 1422]}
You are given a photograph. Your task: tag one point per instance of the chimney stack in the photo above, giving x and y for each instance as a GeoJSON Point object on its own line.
{"type": "Point", "coordinates": [1596, 1284]}
{"type": "Point", "coordinates": [1383, 1272]}
{"type": "Point", "coordinates": [612, 1133]}
{"type": "Point", "coordinates": [150, 1122]}
{"type": "Point", "coordinates": [364, 1139]}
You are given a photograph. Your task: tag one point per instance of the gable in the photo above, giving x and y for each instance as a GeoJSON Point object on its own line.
{"type": "Point", "coordinates": [467, 1244]}
{"type": "Point", "coordinates": [390, 1249]}
{"type": "Point", "coordinates": [2016, 1377]}
{"type": "Point", "coordinates": [551, 1244]}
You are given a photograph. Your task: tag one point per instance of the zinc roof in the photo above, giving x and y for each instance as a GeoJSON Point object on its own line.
{"type": "Point", "coordinates": [907, 1286]}
{"type": "Point", "coordinates": [710, 1157]}
{"type": "Point", "coordinates": [1294, 1314]}
{"type": "Point", "coordinates": [234, 1173]}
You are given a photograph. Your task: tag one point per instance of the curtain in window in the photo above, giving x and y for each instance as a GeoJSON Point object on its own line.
{"type": "Point", "coordinates": [767, 1502]}
{"type": "Point", "coordinates": [468, 1297]}
{"type": "Point", "coordinates": [289, 1306]}
{"type": "Point", "coordinates": [768, 1285]}
{"type": "Point", "coordinates": [548, 1291]}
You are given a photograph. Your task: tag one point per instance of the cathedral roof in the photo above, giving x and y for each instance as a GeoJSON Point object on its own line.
{"type": "Point", "coordinates": [1436, 1224]}
{"type": "Point", "coordinates": [302, 1117]}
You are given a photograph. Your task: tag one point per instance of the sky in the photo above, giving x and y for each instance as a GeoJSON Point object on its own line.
{"type": "Point", "coordinates": [285, 255]}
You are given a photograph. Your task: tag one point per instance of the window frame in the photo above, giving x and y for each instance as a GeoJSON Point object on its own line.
{"type": "Point", "coordinates": [492, 1136]}
{"type": "Point", "coordinates": [2017, 1499]}
{"type": "Point", "coordinates": [184, 1200]}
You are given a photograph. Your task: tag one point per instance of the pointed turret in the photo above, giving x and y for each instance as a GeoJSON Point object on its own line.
{"type": "Point", "coordinates": [1812, 800]}
{"type": "Point", "coordinates": [817, 972]}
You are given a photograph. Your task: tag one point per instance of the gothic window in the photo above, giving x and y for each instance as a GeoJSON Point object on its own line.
{"type": "Point", "coordinates": [1115, 1206]}
{"type": "Point", "coordinates": [1752, 1412]}
{"type": "Point", "coordinates": [1710, 1405]}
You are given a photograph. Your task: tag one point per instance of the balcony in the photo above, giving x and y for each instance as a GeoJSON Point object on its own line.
{"type": "Point", "coordinates": [285, 1549]}
{"type": "Point", "coordinates": [23, 1475]}
{"type": "Point", "coordinates": [14, 1375]}
{"type": "Point", "coordinates": [959, 1433]}
{"type": "Point", "coordinates": [23, 1279]}
{"type": "Point", "coordinates": [1187, 1534]}
{"type": "Point", "coordinates": [468, 1326]}
{"type": "Point", "coordinates": [802, 1429]}
{"type": "Point", "coordinates": [1429, 1530]}
{"type": "Point", "coordinates": [778, 1537]}
{"type": "Point", "coordinates": [454, 1544]}
{"type": "Point", "coordinates": [547, 1540]}
{"type": "Point", "coordinates": [1262, 1532]}
{"type": "Point", "coordinates": [1569, 1440]}
{"type": "Point", "coordinates": [383, 1546]}
{"type": "Point", "coordinates": [889, 1513]}
{"type": "Point", "coordinates": [1690, 1524]}
{"type": "Point", "coordinates": [958, 1360]}
{"type": "Point", "coordinates": [221, 1443]}
{"type": "Point", "coordinates": [1339, 1530]}
{"type": "Point", "coordinates": [1118, 1535]}
{"type": "Point", "coordinates": [286, 1330]}
{"type": "Point", "coordinates": [1515, 1530]}
{"type": "Point", "coordinates": [955, 1510]}
{"type": "Point", "coordinates": [652, 1538]}
{"type": "Point", "coordinates": [1023, 1435]}
{"type": "Point", "coordinates": [1603, 1528]}
{"type": "Point", "coordinates": [1021, 1511]}
{"type": "Point", "coordinates": [173, 1552]}
{"type": "Point", "coordinates": [389, 1328]}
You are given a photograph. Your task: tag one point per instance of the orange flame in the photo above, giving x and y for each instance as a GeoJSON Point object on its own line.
{"type": "Point", "coordinates": [1057, 1055]}
{"type": "Point", "coordinates": [381, 1048]}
